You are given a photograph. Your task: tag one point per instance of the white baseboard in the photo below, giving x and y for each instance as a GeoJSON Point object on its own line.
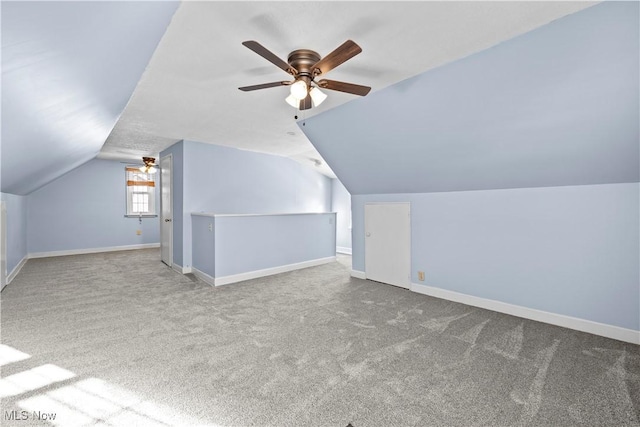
{"type": "Point", "coordinates": [225, 280]}
{"type": "Point", "coordinates": [358, 274]}
{"type": "Point", "coordinates": [93, 250]}
{"type": "Point", "coordinates": [601, 329]}
{"type": "Point", "coordinates": [182, 270]}
{"type": "Point", "coordinates": [343, 250]}
{"type": "Point", "coordinates": [16, 270]}
{"type": "Point", "coordinates": [204, 276]}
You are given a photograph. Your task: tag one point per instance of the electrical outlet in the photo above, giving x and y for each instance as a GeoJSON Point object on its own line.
{"type": "Point", "coordinates": [139, 232]}
{"type": "Point", "coordinates": [421, 276]}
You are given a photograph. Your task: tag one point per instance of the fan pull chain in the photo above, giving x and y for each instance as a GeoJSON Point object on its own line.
{"type": "Point", "coordinates": [304, 116]}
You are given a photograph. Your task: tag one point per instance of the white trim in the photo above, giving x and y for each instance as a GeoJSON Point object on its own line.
{"type": "Point", "coordinates": [343, 250]}
{"type": "Point", "coordinates": [93, 250]}
{"type": "Point", "coordinates": [150, 191]}
{"type": "Point", "coordinates": [161, 213]}
{"type": "Point", "coordinates": [215, 215]}
{"type": "Point", "coordinates": [225, 280]}
{"type": "Point", "coordinates": [609, 331]}
{"type": "Point", "coordinates": [182, 270]}
{"type": "Point", "coordinates": [204, 276]}
{"type": "Point", "coordinates": [16, 270]}
{"type": "Point", "coordinates": [358, 274]}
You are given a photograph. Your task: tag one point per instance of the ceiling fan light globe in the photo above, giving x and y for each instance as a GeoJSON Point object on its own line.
{"type": "Point", "coordinates": [299, 90]}
{"type": "Point", "coordinates": [147, 169]}
{"type": "Point", "coordinates": [295, 103]}
{"type": "Point", "coordinates": [317, 96]}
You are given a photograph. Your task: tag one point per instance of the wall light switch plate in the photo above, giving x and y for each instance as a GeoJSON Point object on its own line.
{"type": "Point", "coordinates": [138, 232]}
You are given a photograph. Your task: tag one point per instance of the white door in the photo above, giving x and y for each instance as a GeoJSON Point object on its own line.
{"type": "Point", "coordinates": [166, 210]}
{"type": "Point", "coordinates": [388, 243]}
{"type": "Point", "coordinates": [3, 245]}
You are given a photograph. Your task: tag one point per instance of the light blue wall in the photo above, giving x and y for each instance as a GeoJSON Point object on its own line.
{"type": "Point", "coordinates": [68, 70]}
{"type": "Point", "coordinates": [341, 205]}
{"type": "Point", "coordinates": [85, 209]}
{"type": "Point", "coordinates": [556, 106]}
{"type": "Point", "coordinates": [204, 245]}
{"type": "Point", "coordinates": [16, 229]}
{"type": "Point", "coordinates": [227, 180]}
{"type": "Point", "coordinates": [251, 243]}
{"type": "Point", "coordinates": [177, 183]}
{"type": "Point", "coordinates": [571, 250]}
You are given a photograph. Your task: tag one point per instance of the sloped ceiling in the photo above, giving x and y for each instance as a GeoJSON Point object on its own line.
{"type": "Point", "coordinates": [556, 106]}
{"type": "Point", "coordinates": [190, 89]}
{"type": "Point", "coordinates": [68, 70]}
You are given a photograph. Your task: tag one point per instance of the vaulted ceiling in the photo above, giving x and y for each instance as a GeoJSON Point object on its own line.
{"type": "Point", "coordinates": [73, 81]}
{"type": "Point", "coordinates": [557, 106]}
{"type": "Point", "coordinates": [68, 70]}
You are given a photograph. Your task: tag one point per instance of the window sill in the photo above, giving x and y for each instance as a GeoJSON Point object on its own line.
{"type": "Point", "coordinates": [141, 216]}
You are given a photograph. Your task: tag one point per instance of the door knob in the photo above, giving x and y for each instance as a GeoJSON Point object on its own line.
{"type": "Point", "coordinates": [368, 234]}
{"type": "Point", "coordinates": [167, 220]}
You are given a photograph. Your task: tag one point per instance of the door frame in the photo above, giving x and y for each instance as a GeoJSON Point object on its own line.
{"type": "Point", "coordinates": [408, 204]}
{"type": "Point", "coordinates": [161, 216]}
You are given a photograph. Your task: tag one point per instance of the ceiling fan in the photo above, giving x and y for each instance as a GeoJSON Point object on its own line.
{"type": "Point", "coordinates": [150, 165]}
{"type": "Point", "coordinates": [305, 66]}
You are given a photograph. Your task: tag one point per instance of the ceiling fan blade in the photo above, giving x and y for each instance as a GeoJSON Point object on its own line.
{"type": "Point", "coordinates": [305, 104]}
{"type": "Point", "coordinates": [263, 86]}
{"type": "Point", "coordinates": [270, 56]}
{"type": "Point", "coordinates": [344, 52]}
{"type": "Point", "coordinates": [344, 87]}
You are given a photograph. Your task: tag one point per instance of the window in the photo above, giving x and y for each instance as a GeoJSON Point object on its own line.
{"type": "Point", "coordinates": [141, 192]}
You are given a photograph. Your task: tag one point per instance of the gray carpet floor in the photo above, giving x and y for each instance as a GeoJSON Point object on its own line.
{"type": "Point", "coordinates": [120, 339]}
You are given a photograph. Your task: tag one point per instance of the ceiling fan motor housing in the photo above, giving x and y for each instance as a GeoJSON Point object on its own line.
{"type": "Point", "coordinates": [302, 60]}
{"type": "Point", "coordinates": [148, 160]}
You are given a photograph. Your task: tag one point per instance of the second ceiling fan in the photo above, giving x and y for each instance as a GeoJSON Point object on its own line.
{"type": "Point", "coordinates": [305, 66]}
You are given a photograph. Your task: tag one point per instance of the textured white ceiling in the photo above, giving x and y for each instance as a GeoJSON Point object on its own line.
{"type": "Point", "coordinates": [189, 89]}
